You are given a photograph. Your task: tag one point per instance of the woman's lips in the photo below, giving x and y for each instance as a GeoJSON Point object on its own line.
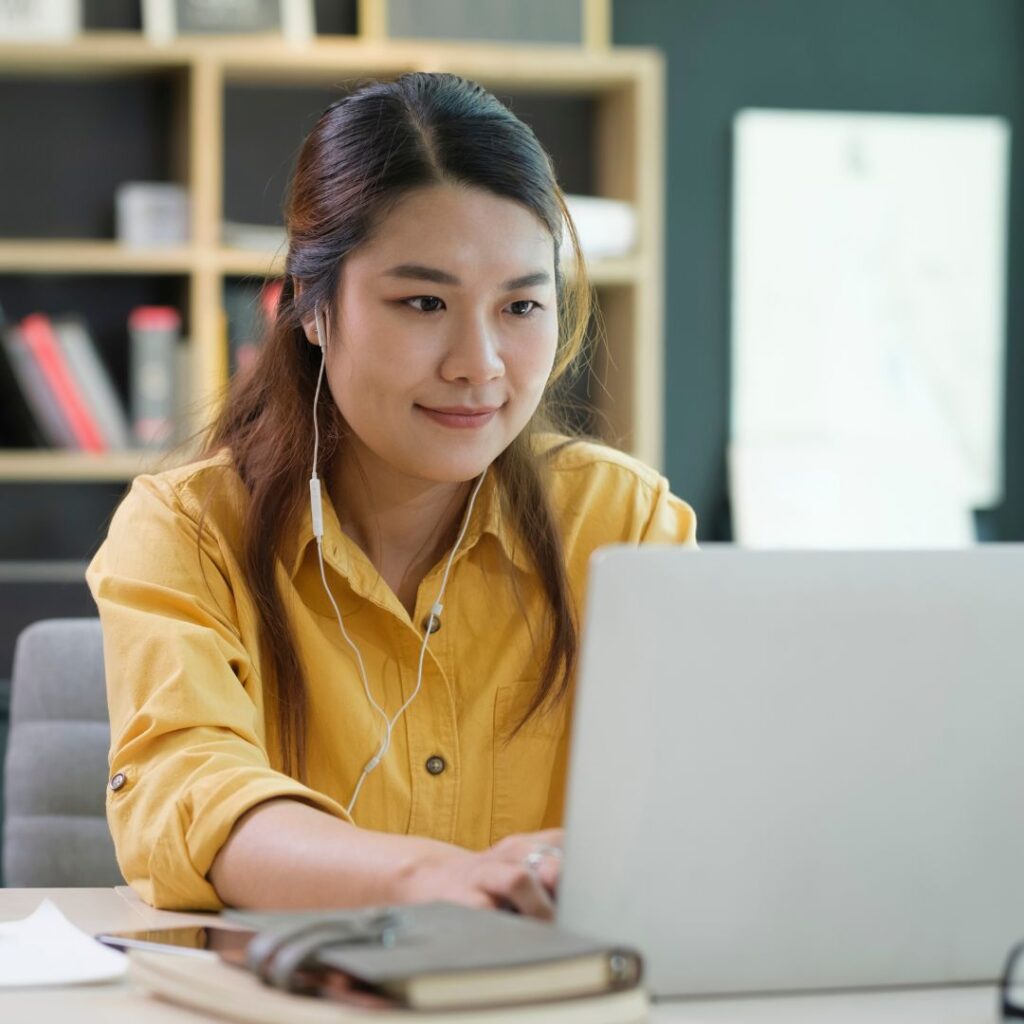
{"type": "Point", "coordinates": [460, 417]}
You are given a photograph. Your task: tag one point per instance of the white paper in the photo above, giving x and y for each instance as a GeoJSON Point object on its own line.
{"type": "Point", "coordinates": [47, 949]}
{"type": "Point", "coordinates": [869, 293]}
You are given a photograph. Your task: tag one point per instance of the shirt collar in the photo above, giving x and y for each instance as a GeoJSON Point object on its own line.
{"type": "Point", "coordinates": [488, 518]}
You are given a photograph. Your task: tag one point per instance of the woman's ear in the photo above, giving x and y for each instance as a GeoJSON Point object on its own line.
{"type": "Point", "coordinates": [309, 321]}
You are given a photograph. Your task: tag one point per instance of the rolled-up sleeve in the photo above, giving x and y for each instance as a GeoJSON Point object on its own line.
{"type": "Point", "coordinates": [188, 752]}
{"type": "Point", "coordinates": [671, 520]}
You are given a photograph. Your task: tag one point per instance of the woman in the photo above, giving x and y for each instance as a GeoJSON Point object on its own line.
{"type": "Point", "coordinates": [356, 690]}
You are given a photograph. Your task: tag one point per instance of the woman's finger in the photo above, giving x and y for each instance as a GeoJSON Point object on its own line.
{"type": "Point", "coordinates": [549, 837]}
{"type": "Point", "coordinates": [548, 871]}
{"type": "Point", "coordinates": [518, 886]}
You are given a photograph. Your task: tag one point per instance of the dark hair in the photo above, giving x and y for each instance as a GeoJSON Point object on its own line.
{"type": "Point", "coordinates": [365, 152]}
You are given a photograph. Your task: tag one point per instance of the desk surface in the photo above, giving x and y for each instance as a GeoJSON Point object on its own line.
{"type": "Point", "coordinates": [96, 910]}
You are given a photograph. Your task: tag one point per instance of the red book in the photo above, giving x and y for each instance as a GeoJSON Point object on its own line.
{"type": "Point", "coordinates": [41, 341]}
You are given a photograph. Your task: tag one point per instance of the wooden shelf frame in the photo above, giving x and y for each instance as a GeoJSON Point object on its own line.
{"type": "Point", "coordinates": [627, 84]}
{"type": "Point", "coordinates": [36, 466]}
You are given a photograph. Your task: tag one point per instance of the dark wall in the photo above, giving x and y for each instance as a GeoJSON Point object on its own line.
{"type": "Point", "coordinates": [914, 56]}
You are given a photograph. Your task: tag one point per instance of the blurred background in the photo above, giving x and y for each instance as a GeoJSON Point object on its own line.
{"type": "Point", "coordinates": [802, 218]}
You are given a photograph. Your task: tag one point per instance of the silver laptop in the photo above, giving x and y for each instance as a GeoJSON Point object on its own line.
{"type": "Point", "coordinates": [796, 771]}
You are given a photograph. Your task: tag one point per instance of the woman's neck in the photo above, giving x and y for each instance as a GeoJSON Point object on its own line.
{"type": "Point", "coordinates": [403, 524]}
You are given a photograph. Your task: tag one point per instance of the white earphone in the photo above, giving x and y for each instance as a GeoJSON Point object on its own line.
{"type": "Point", "coordinates": [316, 510]}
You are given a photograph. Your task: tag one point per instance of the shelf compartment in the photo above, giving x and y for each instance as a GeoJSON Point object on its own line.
{"type": "Point", "coordinates": [102, 131]}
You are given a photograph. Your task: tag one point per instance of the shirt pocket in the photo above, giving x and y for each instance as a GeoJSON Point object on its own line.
{"type": "Point", "coordinates": [523, 763]}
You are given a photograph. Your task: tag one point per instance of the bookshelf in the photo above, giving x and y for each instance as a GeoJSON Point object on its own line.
{"type": "Point", "coordinates": [624, 90]}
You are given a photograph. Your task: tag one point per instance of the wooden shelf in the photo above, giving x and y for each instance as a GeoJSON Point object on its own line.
{"type": "Point", "coordinates": [92, 53]}
{"type": "Point", "coordinates": [250, 262]}
{"type": "Point", "coordinates": [85, 257]}
{"type": "Point", "coordinates": [42, 466]}
{"type": "Point", "coordinates": [332, 59]}
{"type": "Point", "coordinates": [59, 256]}
{"type": "Point", "coordinates": [626, 86]}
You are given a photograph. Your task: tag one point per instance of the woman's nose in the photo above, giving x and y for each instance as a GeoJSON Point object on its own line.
{"type": "Point", "coordinates": [473, 352]}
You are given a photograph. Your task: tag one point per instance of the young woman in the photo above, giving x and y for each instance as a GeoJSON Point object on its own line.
{"type": "Point", "coordinates": [357, 690]}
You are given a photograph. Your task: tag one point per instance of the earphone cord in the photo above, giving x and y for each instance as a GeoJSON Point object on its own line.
{"type": "Point", "coordinates": [318, 531]}
{"type": "Point", "coordinates": [316, 507]}
{"type": "Point", "coordinates": [434, 616]}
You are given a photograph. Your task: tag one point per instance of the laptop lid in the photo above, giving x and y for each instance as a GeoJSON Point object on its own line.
{"type": "Point", "coordinates": [800, 770]}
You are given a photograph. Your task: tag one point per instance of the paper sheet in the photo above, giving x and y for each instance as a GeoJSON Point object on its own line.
{"type": "Point", "coordinates": [47, 949]}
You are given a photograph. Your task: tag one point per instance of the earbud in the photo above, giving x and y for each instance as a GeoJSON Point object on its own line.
{"type": "Point", "coordinates": [321, 333]}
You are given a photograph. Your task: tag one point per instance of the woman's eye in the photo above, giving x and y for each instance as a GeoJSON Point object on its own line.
{"type": "Point", "coordinates": [518, 310]}
{"type": "Point", "coordinates": [431, 303]}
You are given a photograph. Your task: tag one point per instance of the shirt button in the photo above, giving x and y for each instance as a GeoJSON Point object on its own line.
{"type": "Point", "coordinates": [435, 765]}
{"type": "Point", "coordinates": [431, 625]}
{"type": "Point", "coordinates": [117, 781]}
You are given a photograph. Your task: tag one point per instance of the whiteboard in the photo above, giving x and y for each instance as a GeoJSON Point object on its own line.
{"type": "Point", "coordinates": [868, 292]}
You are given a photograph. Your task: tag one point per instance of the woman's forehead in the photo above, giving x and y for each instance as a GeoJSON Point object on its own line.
{"type": "Point", "coordinates": [459, 230]}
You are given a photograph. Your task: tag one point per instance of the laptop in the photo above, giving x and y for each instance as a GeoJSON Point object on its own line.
{"type": "Point", "coordinates": [798, 771]}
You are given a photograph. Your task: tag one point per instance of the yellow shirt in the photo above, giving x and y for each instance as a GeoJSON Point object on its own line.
{"type": "Point", "coordinates": [184, 673]}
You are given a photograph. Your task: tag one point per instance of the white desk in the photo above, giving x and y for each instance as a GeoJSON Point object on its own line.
{"type": "Point", "coordinates": [97, 910]}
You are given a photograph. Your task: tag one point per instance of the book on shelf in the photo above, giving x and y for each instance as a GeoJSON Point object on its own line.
{"type": "Point", "coordinates": [31, 418]}
{"type": "Point", "coordinates": [59, 393]}
{"type": "Point", "coordinates": [87, 367]}
{"type": "Point", "coordinates": [155, 340]}
{"type": "Point", "coordinates": [40, 339]}
{"type": "Point", "coordinates": [251, 310]}
{"type": "Point", "coordinates": [439, 962]}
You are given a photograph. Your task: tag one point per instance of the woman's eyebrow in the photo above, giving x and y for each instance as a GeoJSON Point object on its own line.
{"type": "Point", "coordinates": [418, 272]}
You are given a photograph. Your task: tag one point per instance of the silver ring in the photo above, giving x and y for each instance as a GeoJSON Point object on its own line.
{"type": "Point", "coordinates": [536, 856]}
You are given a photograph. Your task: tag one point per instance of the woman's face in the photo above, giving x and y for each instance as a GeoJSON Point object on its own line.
{"type": "Point", "coordinates": [444, 331]}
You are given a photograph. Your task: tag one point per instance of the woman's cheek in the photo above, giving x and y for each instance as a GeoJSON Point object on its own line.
{"type": "Point", "coordinates": [534, 355]}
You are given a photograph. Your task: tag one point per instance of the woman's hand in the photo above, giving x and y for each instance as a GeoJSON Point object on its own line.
{"type": "Point", "coordinates": [504, 876]}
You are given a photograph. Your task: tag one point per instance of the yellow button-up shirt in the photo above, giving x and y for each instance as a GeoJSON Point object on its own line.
{"type": "Point", "coordinates": [189, 745]}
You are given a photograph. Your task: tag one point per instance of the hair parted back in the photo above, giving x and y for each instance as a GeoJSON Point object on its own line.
{"type": "Point", "coordinates": [365, 152]}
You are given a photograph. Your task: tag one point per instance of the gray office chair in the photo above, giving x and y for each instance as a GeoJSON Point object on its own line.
{"type": "Point", "coordinates": [55, 775]}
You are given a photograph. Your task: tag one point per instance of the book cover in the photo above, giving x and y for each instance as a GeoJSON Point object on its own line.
{"type": "Point", "coordinates": [50, 427]}
{"type": "Point", "coordinates": [41, 340]}
{"type": "Point", "coordinates": [155, 335]}
{"type": "Point", "coordinates": [93, 379]}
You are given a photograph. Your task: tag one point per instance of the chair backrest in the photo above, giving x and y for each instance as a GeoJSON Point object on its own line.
{"type": "Point", "coordinates": [55, 776]}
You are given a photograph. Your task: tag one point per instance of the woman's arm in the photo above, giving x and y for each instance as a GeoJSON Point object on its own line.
{"type": "Point", "coordinates": [283, 853]}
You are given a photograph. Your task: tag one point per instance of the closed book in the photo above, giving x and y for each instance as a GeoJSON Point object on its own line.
{"type": "Point", "coordinates": [215, 988]}
{"type": "Point", "coordinates": [41, 340]}
{"type": "Point", "coordinates": [51, 426]}
{"type": "Point", "coordinates": [93, 379]}
{"type": "Point", "coordinates": [155, 334]}
{"type": "Point", "coordinates": [445, 956]}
